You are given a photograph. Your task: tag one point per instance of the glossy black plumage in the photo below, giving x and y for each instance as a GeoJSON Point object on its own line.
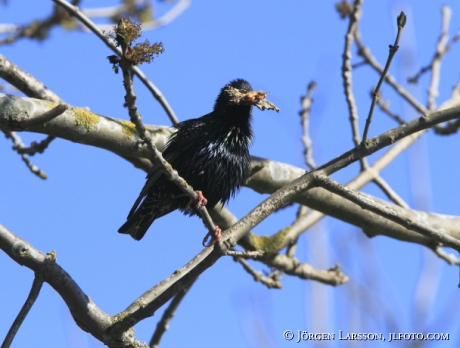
{"type": "Point", "coordinates": [210, 153]}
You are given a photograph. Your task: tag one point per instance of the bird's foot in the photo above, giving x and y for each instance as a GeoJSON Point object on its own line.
{"type": "Point", "coordinates": [216, 237]}
{"type": "Point", "coordinates": [201, 201]}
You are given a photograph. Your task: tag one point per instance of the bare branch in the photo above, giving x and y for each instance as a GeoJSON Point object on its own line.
{"type": "Point", "coordinates": [389, 192]}
{"type": "Point", "coordinates": [113, 11]}
{"type": "Point", "coordinates": [441, 49]}
{"type": "Point", "coordinates": [385, 107]}
{"type": "Point", "coordinates": [86, 314]}
{"type": "Point", "coordinates": [35, 147]}
{"type": "Point", "coordinates": [147, 304]}
{"type": "Point", "coordinates": [401, 21]}
{"type": "Point", "coordinates": [451, 126]}
{"type": "Point", "coordinates": [168, 314]}
{"type": "Point", "coordinates": [365, 53]}
{"type": "Point", "coordinates": [367, 203]}
{"type": "Point", "coordinates": [17, 145]}
{"type": "Point", "coordinates": [74, 11]}
{"type": "Point", "coordinates": [347, 69]}
{"type": "Point", "coordinates": [306, 103]}
{"type": "Point", "coordinates": [451, 259]}
{"type": "Point", "coordinates": [26, 122]}
{"type": "Point", "coordinates": [37, 29]}
{"type": "Point", "coordinates": [33, 295]}
{"type": "Point", "coordinates": [155, 297]}
{"type": "Point", "coordinates": [267, 176]}
{"type": "Point", "coordinates": [269, 282]}
{"type": "Point", "coordinates": [25, 82]}
{"type": "Point", "coordinates": [305, 182]}
{"type": "Point", "coordinates": [292, 266]}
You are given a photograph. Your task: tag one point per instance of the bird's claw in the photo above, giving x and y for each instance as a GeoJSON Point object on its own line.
{"type": "Point", "coordinates": [216, 237]}
{"type": "Point", "coordinates": [201, 201]}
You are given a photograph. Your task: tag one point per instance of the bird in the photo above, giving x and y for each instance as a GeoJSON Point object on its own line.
{"type": "Point", "coordinates": [210, 152]}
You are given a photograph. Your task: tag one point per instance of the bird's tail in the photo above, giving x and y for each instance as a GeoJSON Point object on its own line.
{"type": "Point", "coordinates": [137, 224]}
{"type": "Point", "coordinates": [142, 215]}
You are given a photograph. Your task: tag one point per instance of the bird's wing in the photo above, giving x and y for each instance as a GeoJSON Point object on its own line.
{"type": "Point", "coordinates": [172, 151]}
{"type": "Point", "coordinates": [154, 174]}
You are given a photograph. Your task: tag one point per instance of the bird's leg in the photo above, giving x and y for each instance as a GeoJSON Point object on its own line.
{"type": "Point", "coordinates": [216, 237]}
{"type": "Point", "coordinates": [201, 201]}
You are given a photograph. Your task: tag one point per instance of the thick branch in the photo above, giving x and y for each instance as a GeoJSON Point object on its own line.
{"type": "Point", "coordinates": [267, 176]}
{"type": "Point", "coordinates": [87, 315]}
{"type": "Point", "coordinates": [378, 208]}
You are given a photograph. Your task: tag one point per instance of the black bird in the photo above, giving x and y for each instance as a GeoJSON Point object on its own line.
{"type": "Point", "coordinates": [211, 153]}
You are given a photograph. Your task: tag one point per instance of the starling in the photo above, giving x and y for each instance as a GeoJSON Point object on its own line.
{"type": "Point", "coordinates": [211, 153]}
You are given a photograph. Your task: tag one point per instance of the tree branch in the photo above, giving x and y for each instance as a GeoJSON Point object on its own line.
{"type": "Point", "coordinates": [267, 176]}
{"type": "Point", "coordinates": [401, 21]}
{"type": "Point", "coordinates": [75, 11]}
{"type": "Point", "coordinates": [33, 295]}
{"type": "Point", "coordinates": [86, 314]}
{"type": "Point", "coordinates": [168, 314]}
{"type": "Point", "coordinates": [390, 214]}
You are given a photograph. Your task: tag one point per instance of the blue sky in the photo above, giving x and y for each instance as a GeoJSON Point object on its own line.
{"type": "Point", "coordinates": [278, 47]}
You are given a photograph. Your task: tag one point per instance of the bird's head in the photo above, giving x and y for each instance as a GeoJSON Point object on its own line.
{"type": "Point", "coordinates": [239, 93]}
{"type": "Point", "coordinates": [224, 99]}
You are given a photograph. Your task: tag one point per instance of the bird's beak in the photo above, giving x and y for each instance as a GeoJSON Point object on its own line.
{"type": "Point", "coordinates": [256, 98]}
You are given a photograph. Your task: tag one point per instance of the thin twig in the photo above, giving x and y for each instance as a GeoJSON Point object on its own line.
{"type": "Point", "coordinates": [31, 87]}
{"type": "Point", "coordinates": [292, 266]}
{"type": "Point", "coordinates": [306, 103]}
{"type": "Point", "coordinates": [389, 192]}
{"type": "Point", "coordinates": [354, 16]}
{"type": "Point", "coordinates": [37, 29]}
{"type": "Point", "coordinates": [358, 65]}
{"type": "Point", "coordinates": [18, 144]}
{"type": "Point", "coordinates": [292, 247]}
{"type": "Point", "coordinates": [74, 11]}
{"type": "Point", "coordinates": [292, 242]}
{"type": "Point", "coordinates": [451, 126]}
{"type": "Point", "coordinates": [168, 314]}
{"type": "Point", "coordinates": [35, 147]}
{"type": "Point", "coordinates": [401, 21]}
{"type": "Point", "coordinates": [347, 71]}
{"type": "Point", "coordinates": [451, 259]}
{"type": "Point", "coordinates": [269, 282]}
{"type": "Point", "coordinates": [113, 12]}
{"type": "Point", "coordinates": [27, 122]}
{"type": "Point", "coordinates": [365, 53]}
{"type": "Point", "coordinates": [33, 295]}
{"type": "Point", "coordinates": [385, 107]}
{"type": "Point", "coordinates": [433, 91]}
{"type": "Point", "coordinates": [442, 47]}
